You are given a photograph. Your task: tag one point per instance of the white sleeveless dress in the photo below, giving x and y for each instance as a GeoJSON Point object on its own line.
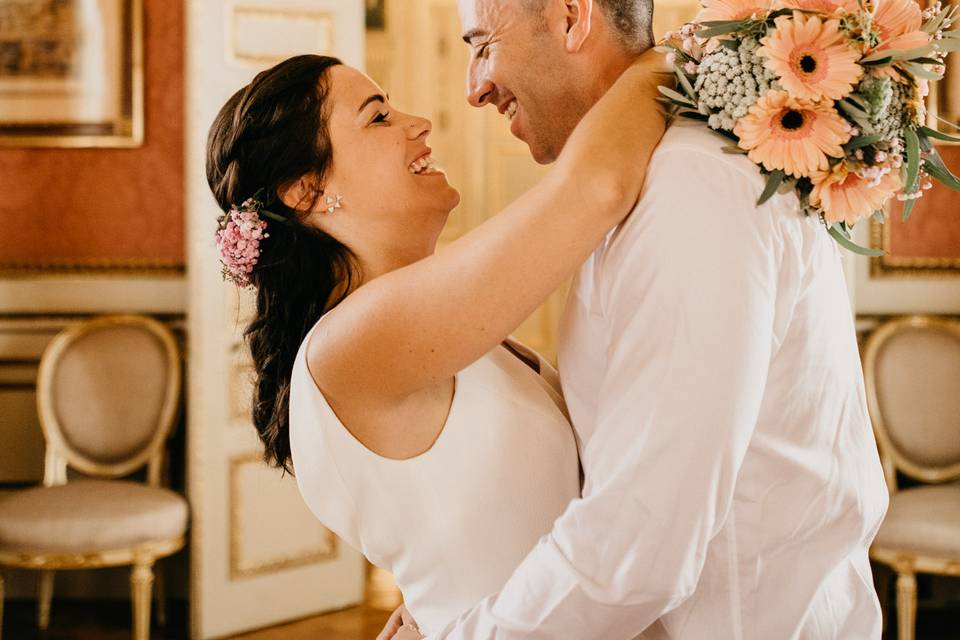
{"type": "Point", "coordinates": [453, 523]}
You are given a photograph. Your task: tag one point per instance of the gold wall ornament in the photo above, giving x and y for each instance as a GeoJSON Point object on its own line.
{"type": "Point", "coordinates": [242, 523]}
{"type": "Point", "coordinates": [106, 267]}
{"type": "Point", "coordinates": [75, 74]}
{"type": "Point", "coordinates": [261, 36]}
{"type": "Point", "coordinates": [928, 244]}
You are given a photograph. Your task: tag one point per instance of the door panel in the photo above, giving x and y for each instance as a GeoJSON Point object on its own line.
{"type": "Point", "coordinates": [258, 556]}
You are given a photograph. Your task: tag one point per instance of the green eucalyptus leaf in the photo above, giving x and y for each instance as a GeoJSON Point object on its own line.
{"type": "Point", "coordinates": [693, 115]}
{"type": "Point", "coordinates": [713, 32]}
{"type": "Point", "coordinates": [920, 71]}
{"type": "Point", "coordinates": [732, 149]}
{"type": "Point", "coordinates": [685, 83]}
{"type": "Point", "coordinates": [913, 159]}
{"type": "Point", "coordinates": [907, 208]}
{"type": "Point", "coordinates": [877, 63]}
{"type": "Point", "coordinates": [951, 45]}
{"type": "Point", "coordinates": [933, 164]}
{"type": "Point", "coordinates": [723, 23]}
{"type": "Point", "coordinates": [839, 235]}
{"type": "Point", "coordinates": [773, 182]}
{"type": "Point", "coordinates": [676, 97]}
{"type": "Point", "coordinates": [911, 54]}
{"type": "Point", "coordinates": [862, 141]}
{"type": "Point", "coordinates": [788, 185]}
{"type": "Point", "coordinates": [939, 135]}
{"type": "Point", "coordinates": [855, 114]}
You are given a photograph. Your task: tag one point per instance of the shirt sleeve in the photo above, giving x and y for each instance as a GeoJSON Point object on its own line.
{"type": "Point", "coordinates": [689, 289]}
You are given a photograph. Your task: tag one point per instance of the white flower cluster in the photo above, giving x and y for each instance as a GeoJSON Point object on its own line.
{"type": "Point", "coordinates": [729, 82]}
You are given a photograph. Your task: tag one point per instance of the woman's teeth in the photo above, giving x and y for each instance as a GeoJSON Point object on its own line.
{"type": "Point", "coordinates": [511, 110]}
{"type": "Point", "coordinates": [423, 165]}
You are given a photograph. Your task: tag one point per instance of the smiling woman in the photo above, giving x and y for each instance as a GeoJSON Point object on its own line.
{"type": "Point", "coordinates": [379, 365]}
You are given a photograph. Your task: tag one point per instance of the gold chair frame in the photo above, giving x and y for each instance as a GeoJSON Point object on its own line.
{"type": "Point", "coordinates": [60, 455]}
{"type": "Point", "coordinates": [905, 563]}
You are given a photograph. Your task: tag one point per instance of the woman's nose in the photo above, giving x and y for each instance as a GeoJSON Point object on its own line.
{"type": "Point", "coordinates": [418, 127]}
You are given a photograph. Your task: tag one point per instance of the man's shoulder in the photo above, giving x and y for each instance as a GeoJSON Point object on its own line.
{"type": "Point", "coordinates": [692, 148]}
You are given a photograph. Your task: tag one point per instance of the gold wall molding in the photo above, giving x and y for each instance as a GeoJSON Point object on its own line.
{"type": "Point", "coordinates": [105, 267]}
{"type": "Point", "coordinates": [287, 33]}
{"type": "Point", "coordinates": [240, 567]}
{"type": "Point", "coordinates": [890, 266]}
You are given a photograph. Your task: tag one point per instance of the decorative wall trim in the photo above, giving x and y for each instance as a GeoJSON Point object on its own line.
{"type": "Point", "coordinates": [890, 266]}
{"type": "Point", "coordinates": [239, 568]}
{"type": "Point", "coordinates": [281, 32]}
{"type": "Point", "coordinates": [104, 267]}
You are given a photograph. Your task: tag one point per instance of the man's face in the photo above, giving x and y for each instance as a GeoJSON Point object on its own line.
{"type": "Point", "coordinates": [519, 66]}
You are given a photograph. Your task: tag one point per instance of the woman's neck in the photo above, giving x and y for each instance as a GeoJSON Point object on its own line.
{"type": "Point", "coordinates": [382, 260]}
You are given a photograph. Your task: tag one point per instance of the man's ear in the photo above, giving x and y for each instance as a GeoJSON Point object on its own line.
{"type": "Point", "coordinates": [579, 14]}
{"type": "Point", "coordinates": [301, 193]}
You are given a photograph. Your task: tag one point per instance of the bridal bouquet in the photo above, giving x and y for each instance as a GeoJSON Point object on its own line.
{"type": "Point", "coordinates": [826, 96]}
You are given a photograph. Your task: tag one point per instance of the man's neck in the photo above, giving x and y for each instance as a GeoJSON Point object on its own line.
{"type": "Point", "coordinates": [613, 61]}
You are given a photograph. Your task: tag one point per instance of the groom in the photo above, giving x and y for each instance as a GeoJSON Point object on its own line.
{"type": "Point", "coordinates": [709, 361]}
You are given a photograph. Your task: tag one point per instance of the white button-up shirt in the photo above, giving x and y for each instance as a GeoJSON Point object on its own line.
{"type": "Point", "coordinates": [710, 366]}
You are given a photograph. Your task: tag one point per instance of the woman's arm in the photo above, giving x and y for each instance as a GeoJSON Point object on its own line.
{"type": "Point", "coordinates": [419, 325]}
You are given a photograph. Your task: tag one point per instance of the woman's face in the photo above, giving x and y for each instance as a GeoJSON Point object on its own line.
{"type": "Point", "coordinates": [381, 159]}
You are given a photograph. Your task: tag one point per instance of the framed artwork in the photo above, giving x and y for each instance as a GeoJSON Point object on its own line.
{"type": "Point", "coordinates": [376, 14]}
{"type": "Point", "coordinates": [928, 244]}
{"type": "Point", "coordinates": [71, 73]}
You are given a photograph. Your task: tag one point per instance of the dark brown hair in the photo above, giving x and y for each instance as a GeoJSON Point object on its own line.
{"type": "Point", "coordinates": [267, 136]}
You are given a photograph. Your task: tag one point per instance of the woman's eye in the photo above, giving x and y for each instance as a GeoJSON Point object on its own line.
{"type": "Point", "coordinates": [482, 51]}
{"type": "Point", "coordinates": [381, 117]}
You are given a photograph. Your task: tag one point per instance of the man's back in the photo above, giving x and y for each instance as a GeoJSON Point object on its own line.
{"type": "Point", "coordinates": [709, 343]}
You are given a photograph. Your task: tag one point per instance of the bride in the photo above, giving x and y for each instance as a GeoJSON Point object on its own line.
{"type": "Point", "coordinates": [418, 432]}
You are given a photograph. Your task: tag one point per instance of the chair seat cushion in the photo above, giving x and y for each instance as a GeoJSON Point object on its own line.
{"type": "Point", "coordinates": [924, 520]}
{"type": "Point", "coordinates": [90, 515]}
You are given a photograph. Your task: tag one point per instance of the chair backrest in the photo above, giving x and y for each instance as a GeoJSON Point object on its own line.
{"type": "Point", "coordinates": [108, 394]}
{"type": "Point", "coordinates": [912, 373]}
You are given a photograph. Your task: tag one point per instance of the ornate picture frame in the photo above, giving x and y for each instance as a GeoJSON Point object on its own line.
{"type": "Point", "coordinates": [71, 73]}
{"type": "Point", "coordinates": [928, 244]}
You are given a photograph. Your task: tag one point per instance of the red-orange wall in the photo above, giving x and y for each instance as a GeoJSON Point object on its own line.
{"type": "Point", "coordinates": [81, 206]}
{"type": "Point", "coordinates": [933, 230]}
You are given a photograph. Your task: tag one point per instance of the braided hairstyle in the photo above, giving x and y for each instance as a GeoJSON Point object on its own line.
{"type": "Point", "coordinates": [267, 136]}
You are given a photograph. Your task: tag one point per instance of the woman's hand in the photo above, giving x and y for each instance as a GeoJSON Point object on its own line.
{"type": "Point", "coordinates": [400, 626]}
{"type": "Point", "coordinates": [406, 632]}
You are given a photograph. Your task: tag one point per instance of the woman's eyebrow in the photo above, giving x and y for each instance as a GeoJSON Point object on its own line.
{"type": "Point", "coordinates": [374, 98]}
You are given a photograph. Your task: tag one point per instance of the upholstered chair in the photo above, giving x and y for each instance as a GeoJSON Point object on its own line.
{"type": "Point", "coordinates": [912, 371]}
{"type": "Point", "coordinates": [108, 395]}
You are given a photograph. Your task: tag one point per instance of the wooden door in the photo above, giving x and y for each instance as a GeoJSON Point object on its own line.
{"type": "Point", "coordinates": [258, 556]}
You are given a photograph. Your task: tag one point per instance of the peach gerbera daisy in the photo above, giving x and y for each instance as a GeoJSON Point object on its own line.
{"type": "Point", "coordinates": [846, 197]}
{"type": "Point", "coordinates": [731, 9]}
{"type": "Point", "coordinates": [812, 58]}
{"type": "Point", "coordinates": [823, 6]}
{"type": "Point", "coordinates": [898, 23]}
{"type": "Point", "coordinates": [795, 136]}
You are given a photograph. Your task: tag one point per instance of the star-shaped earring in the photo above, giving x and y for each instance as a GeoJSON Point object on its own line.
{"type": "Point", "coordinates": [334, 203]}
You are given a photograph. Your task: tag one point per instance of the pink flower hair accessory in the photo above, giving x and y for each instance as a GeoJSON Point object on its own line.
{"type": "Point", "coordinates": [240, 231]}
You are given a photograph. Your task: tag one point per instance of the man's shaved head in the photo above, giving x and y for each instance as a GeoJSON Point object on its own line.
{"type": "Point", "coordinates": [631, 20]}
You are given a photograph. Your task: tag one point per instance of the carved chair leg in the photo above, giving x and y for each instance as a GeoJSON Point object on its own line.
{"type": "Point", "coordinates": [141, 584]}
{"type": "Point", "coordinates": [1, 604]}
{"type": "Point", "coordinates": [881, 577]}
{"type": "Point", "coordinates": [160, 593]}
{"type": "Point", "coordinates": [44, 597]}
{"type": "Point", "coordinates": [906, 605]}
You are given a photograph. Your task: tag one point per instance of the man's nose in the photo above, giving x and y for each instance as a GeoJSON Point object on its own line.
{"type": "Point", "coordinates": [480, 90]}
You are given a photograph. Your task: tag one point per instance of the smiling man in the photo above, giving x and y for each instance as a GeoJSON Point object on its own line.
{"type": "Point", "coordinates": [710, 365]}
{"type": "Point", "coordinates": [543, 83]}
